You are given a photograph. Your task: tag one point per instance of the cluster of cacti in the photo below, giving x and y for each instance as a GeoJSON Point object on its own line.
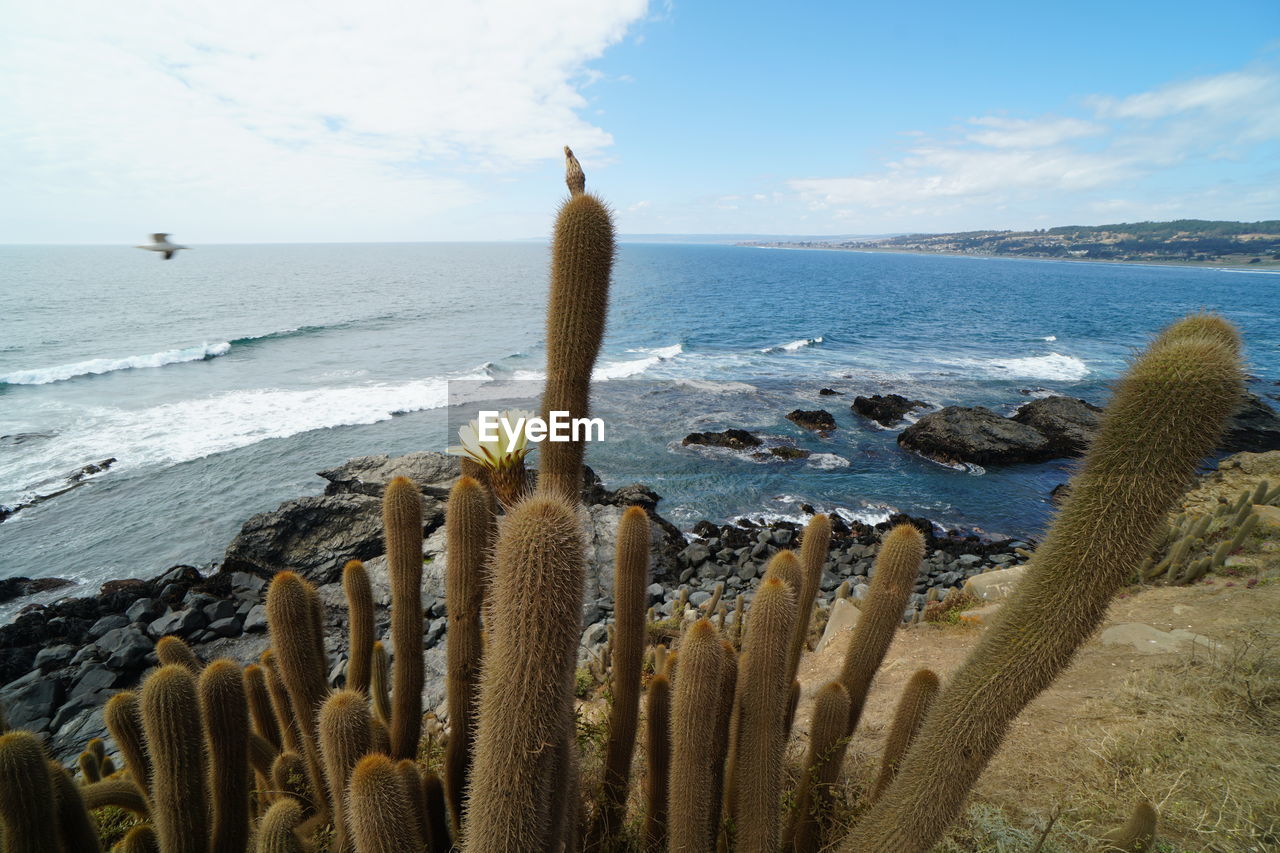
{"type": "Point", "coordinates": [340, 768]}
{"type": "Point", "coordinates": [1193, 544]}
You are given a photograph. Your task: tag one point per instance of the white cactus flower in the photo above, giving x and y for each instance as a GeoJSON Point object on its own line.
{"type": "Point", "coordinates": [507, 449]}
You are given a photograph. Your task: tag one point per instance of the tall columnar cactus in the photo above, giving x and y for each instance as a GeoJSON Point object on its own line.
{"type": "Point", "coordinates": [259, 698]}
{"type": "Point", "coordinates": [631, 576]}
{"type": "Point", "coordinates": [694, 714]}
{"type": "Point", "coordinates": [124, 721]}
{"type": "Point", "coordinates": [299, 654]}
{"type": "Point", "coordinates": [174, 650]}
{"type": "Point", "coordinates": [411, 782]}
{"type": "Point", "coordinates": [120, 792]}
{"type": "Point", "coordinates": [469, 525]}
{"type": "Point", "coordinates": [26, 795]}
{"type": "Point", "coordinates": [290, 780]}
{"type": "Point", "coordinates": [276, 829]}
{"type": "Point", "coordinates": [1165, 415]}
{"type": "Point", "coordinates": [1137, 835]}
{"type": "Point", "coordinates": [439, 838]}
{"type": "Point", "coordinates": [143, 839]}
{"type": "Point", "coordinates": [172, 722]}
{"type": "Point", "coordinates": [762, 704]}
{"type": "Point", "coordinates": [813, 554]}
{"type": "Point", "coordinates": [901, 552]}
{"type": "Point", "coordinates": [720, 749]}
{"type": "Point", "coordinates": [345, 737]}
{"type": "Point", "coordinates": [359, 593]}
{"type": "Point", "coordinates": [827, 741]}
{"type": "Point", "coordinates": [78, 834]}
{"type": "Point", "coordinates": [226, 720]}
{"type": "Point", "coordinates": [526, 689]}
{"type": "Point", "coordinates": [784, 566]}
{"type": "Point", "coordinates": [379, 807]}
{"type": "Point", "coordinates": [581, 263]}
{"type": "Point", "coordinates": [379, 684]}
{"type": "Point", "coordinates": [402, 524]}
{"type": "Point", "coordinates": [658, 759]}
{"type": "Point", "coordinates": [917, 696]}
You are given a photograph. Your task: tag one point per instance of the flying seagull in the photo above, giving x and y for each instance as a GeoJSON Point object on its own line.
{"type": "Point", "coordinates": [160, 243]}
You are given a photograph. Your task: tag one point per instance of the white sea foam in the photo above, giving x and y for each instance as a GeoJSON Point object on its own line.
{"type": "Point", "coordinates": [794, 345]}
{"type": "Point", "coordinates": [1051, 338]}
{"type": "Point", "coordinates": [827, 461]}
{"type": "Point", "coordinates": [615, 369]}
{"type": "Point", "coordinates": [95, 366]}
{"type": "Point", "coordinates": [1055, 365]}
{"type": "Point", "coordinates": [712, 386]}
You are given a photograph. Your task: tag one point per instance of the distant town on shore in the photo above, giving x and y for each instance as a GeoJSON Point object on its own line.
{"type": "Point", "coordinates": [1196, 241]}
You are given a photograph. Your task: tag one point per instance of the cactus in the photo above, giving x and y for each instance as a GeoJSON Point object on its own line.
{"type": "Point", "coordinates": [276, 830]}
{"type": "Point", "coordinates": [658, 748]}
{"type": "Point", "coordinates": [379, 684]}
{"type": "Point", "coordinates": [226, 720]}
{"type": "Point", "coordinates": [694, 714]}
{"type": "Point", "coordinates": [78, 834]}
{"type": "Point", "coordinates": [402, 523]}
{"type": "Point", "coordinates": [121, 793]}
{"type": "Point", "coordinates": [813, 553]}
{"type": "Point", "coordinates": [411, 782]}
{"type": "Point", "coordinates": [261, 754]}
{"type": "Point", "coordinates": [1242, 532]}
{"type": "Point", "coordinates": [281, 706]}
{"type": "Point", "coordinates": [345, 737]}
{"type": "Point", "coordinates": [259, 699]}
{"type": "Point", "coordinates": [1165, 415]}
{"type": "Point", "coordinates": [379, 806]}
{"type": "Point", "coordinates": [438, 837]}
{"type": "Point", "coordinates": [1137, 835]}
{"type": "Point", "coordinates": [581, 264]}
{"type": "Point", "coordinates": [90, 769]}
{"type": "Point", "coordinates": [172, 722]}
{"type": "Point", "coordinates": [901, 552]}
{"type": "Point", "coordinates": [299, 654]}
{"type": "Point", "coordinates": [739, 616]}
{"type": "Point", "coordinates": [469, 526]}
{"type": "Point", "coordinates": [720, 750]}
{"type": "Point", "coordinates": [793, 703]}
{"type": "Point", "coordinates": [172, 650]}
{"type": "Point", "coordinates": [355, 584]}
{"type": "Point", "coordinates": [141, 839]}
{"type": "Point", "coordinates": [762, 703]}
{"type": "Point", "coordinates": [526, 684]}
{"type": "Point", "coordinates": [290, 780]}
{"type": "Point", "coordinates": [916, 699]}
{"type": "Point", "coordinates": [26, 795]}
{"type": "Point", "coordinates": [631, 575]}
{"type": "Point", "coordinates": [827, 741]}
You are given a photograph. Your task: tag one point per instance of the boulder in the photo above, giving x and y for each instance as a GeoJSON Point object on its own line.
{"type": "Point", "coordinates": [786, 451]}
{"type": "Point", "coordinates": [961, 434]}
{"type": "Point", "coordinates": [734, 439]}
{"type": "Point", "coordinates": [1150, 640]}
{"type": "Point", "coordinates": [603, 532]}
{"type": "Point", "coordinates": [1067, 422]}
{"type": "Point", "coordinates": [886, 409]}
{"type": "Point", "coordinates": [1255, 428]}
{"type": "Point", "coordinates": [843, 619]}
{"type": "Point", "coordinates": [995, 585]}
{"type": "Point", "coordinates": [815, 419]}
{"type": "Point", "coordinates": [433, 472]}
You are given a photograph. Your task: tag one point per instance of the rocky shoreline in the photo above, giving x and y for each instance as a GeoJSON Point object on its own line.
{"type": "Point", "coordinates": [60, 662]}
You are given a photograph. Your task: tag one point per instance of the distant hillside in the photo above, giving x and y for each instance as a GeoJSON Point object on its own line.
{"type": "Point", "coordinates": [1180, 241]}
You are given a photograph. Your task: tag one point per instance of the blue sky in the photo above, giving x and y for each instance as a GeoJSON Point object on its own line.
{"type": "Point", "coordinates": [321, 121]}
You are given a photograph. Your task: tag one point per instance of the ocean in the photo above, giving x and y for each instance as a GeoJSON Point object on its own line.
{"type": "Point", "coordinates": [222, 380]}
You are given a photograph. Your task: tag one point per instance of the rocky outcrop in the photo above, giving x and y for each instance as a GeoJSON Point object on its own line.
{"type": "Point", "coordinates": [368, 475]}
{"type": "Point", "coordinates": [816, 419]}
{"type": "Point", "coordinates": [733, 439]}
{"type": "Point", "coordinates": [60, 486]}
{"type": "Point", "coordinates": [888, 410]}
{"type": "Point", "coordinates": [1067, 422]}
{"type": "Point", "coordinates": [959, 434]}
{"type": "Point", "coordinates": [1255, 428]}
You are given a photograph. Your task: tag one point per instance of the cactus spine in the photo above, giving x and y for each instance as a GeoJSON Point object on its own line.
{"type": "Point", "coordinates": [901, 552]}
{"type": "Point", "coordinates": [827, 742]}
{"type": "Point", "coordinates": [1137, 835]}
{"type": "Point", "coordinates": [281, 706]}
{"type": "Point", "coordinates": [345, 737]}
{"type": "Point", "coordinates": [171, 720]}
{"type": "Point", "coordinates": [581, 263]}
{"type": "Point", "coordinates": [289, 779]}
{"type": "Point", "coordinates": [762, 704]}
{"type": "Point", "coordinates": [226, 720]}
{"type": "Point", "coordinates": [631, 575]}
{"type": "Point", "coordinates": [174, 650]}
{"type": "Point", "coordinates": [259, 699]}
{"type": "Point", "coordinates": [299, 653]}
{"type": "Point", "coordinates": [379, 679]}
{"type": "Point", "coordinates": [380, 807]}
{"type": "Point", "coordinates": [355, 584]}
{"type": "Point", "coordinates": [916, 699]}
{"type": "Point", "coordinates": [79, 835]}
{"type": "Point", "coordinates": [694, 714]}
{"type": "Point", "coordinates": [402, 523]}
{"type": "Point", "coordinates": [121, 793]}
{"type": "Point", "coordinates": [526, 685]}
{"type": "Point", "coordinates": [140, 839]}
{"type": "Point", "coordinates": [1165, 415]}
{"type": "Point", "coordinates": [438, 837]}
{"type": "Point", "coordinates": [813, 553]}
{"type": "Point", "coordinates": [276, 830]}
{"type": "Point", "coordinates": [658, 749]}
{"type": "Point", "coordinates": [720, 751]}
{"type": "Point", "coordinates": [26, 796]}
{"type": "Point", "coordinates": [469, 527]}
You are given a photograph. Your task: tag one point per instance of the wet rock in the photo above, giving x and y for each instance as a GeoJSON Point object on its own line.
{"type": "Point", "coordinates": [886, 409]}
{"type": "Point", "coordinates": [434, 473]}
{"type": "Point", "coordinates": [1067, 422]}
{"type": "Point", "coordinates": [786, 451]}
{"type": "Point", "coordinates": [1255, 428]}
{"type": "Point", "coordinates": [11, 588]}
{"type": "Point", "coordinates": [828, 392]}
{"type": "Point", "coordinates": [959, 434]}
{"type": "Point", "coordinates": [815, 419]}
{"type": "Point", "coordinates": [734, 439]}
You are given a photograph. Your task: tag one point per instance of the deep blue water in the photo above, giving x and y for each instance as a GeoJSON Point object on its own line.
{"type": "Point", "coordinates": [223, 379]}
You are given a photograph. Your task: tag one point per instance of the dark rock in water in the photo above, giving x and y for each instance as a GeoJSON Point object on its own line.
{"type": "Point", "coordinates": [734, 439]}
{"type": "Point", "coordinates": [1255, 428]}
{"type": "Point", "coordinates": [1067, 422]}
{"type": "Point", "coordinates": [433, 472]}
{"type": "Point", "coordinates": [786, 451]}
{"type": "Point", "coordinates": [71, 480]}
{"type": "Point", "coordinates": [636, 494]}
{"type": "Point", "coordinates": [960, 434]}
{"type": "Point", "coordinates": [11, 588]}
{"type": "Point", "coordinates": [827, 392]}
{"type": "Point", "coordinates": [1059, 493]}
{"type": "Point", "coordinates": [886, 409]}
{"type": "Point", "coordinates": [316, 536]}
{"type": "Point", "coordinates": [817, 419]}
{"type": "Point", "coordinates": [83, 471]}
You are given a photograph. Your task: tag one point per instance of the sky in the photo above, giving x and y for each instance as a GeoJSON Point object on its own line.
{"type": "Point", "coordinates": [322, 121]}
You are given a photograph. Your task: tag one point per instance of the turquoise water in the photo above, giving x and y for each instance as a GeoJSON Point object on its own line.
{"type": "Point", "coordinates": [223, 379]}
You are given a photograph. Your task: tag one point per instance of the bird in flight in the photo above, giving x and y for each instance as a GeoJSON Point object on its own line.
{"type": "Point", "coordinates": [160, 243]}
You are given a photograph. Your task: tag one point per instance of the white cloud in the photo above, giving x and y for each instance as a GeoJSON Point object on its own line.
{"type": "Point", "coordinates": [385, 110]}
{"type": "Point", "coordinates": [1002, 164]}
